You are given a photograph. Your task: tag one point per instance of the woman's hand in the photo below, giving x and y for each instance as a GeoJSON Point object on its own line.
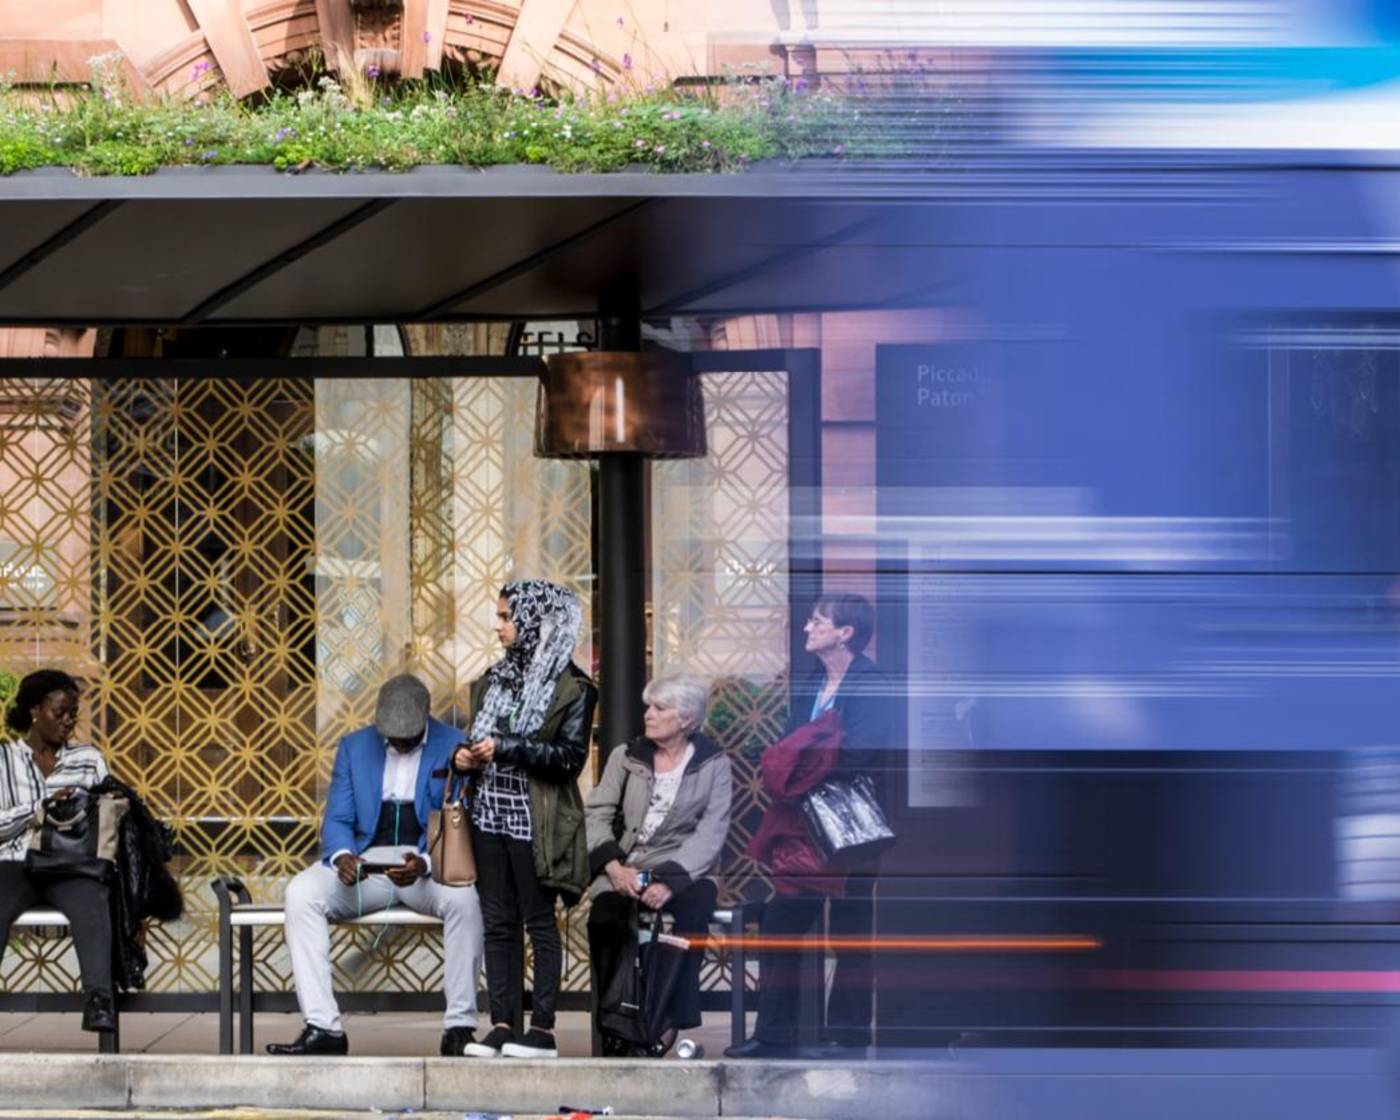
{"type": "Point", "coordinates": [484, 751]}
{"type": "Point", "coordinates": [463, 759]}
{"type": "Point", "coordinates": [624, 879]}
{"type": "Point", "coordinates": [656, 896]}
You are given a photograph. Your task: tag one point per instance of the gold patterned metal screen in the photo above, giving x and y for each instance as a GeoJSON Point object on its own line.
{"type": "Point", "coordinates": [720, 588]}
{"type": "Point", "coordinates": [233, 566]}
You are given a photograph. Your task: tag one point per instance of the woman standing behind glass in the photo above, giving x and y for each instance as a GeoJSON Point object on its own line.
{"type": "Point", "coordinates": [531, 716]}
{"type": "Point", "coordinates": [846, 681]}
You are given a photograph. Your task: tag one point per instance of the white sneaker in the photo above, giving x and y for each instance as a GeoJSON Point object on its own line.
{"type": "Point", "coordinates": [491, 1045]}
{"type": "Point", "coordinates": [534, 1044]}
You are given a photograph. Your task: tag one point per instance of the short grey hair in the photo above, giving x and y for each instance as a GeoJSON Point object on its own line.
{"type": "Point", "coordinates": [688, 695]}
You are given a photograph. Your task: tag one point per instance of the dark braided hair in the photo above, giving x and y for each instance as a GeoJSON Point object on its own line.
{"type": "Point", "coordinates": [32, 691]}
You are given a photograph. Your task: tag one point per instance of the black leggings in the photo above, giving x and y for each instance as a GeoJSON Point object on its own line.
{"type": "Point", "coordinates": [84, 902]}
{"type": "Point", "coordinates": [608, 928]}
{"type": "Point", "coordinates": [511, 895]}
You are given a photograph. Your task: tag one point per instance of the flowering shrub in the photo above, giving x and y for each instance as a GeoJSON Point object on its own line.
{"type": "Point", "coordinates": [371, 124]}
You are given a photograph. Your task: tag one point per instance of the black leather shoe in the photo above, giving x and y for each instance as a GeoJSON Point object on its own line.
{"type": "Point", "coordinates": [455, 1041]}
{"type": "Point", "coordinates": [312, 1040]}
{"type": "Point", "coordinates": [99, 1010]}
{"type": "Point", "coordinates": [757, 1048]}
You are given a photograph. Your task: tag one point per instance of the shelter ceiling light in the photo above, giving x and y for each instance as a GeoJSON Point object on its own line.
{"type": "Point", "coordinates": [644, 403]}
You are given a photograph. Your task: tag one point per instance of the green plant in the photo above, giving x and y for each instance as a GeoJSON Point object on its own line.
{"type": "Point", "coordinates": [9, 687]}
{"type": "Point", "coordinates": [370, 124]}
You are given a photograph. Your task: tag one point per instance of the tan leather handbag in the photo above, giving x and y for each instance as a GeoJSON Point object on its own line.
{"type": "Point", "coordinates": [450, 837]}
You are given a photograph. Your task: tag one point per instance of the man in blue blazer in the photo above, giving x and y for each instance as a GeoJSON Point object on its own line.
{"type": "Point", "coordinates": [374, 839]}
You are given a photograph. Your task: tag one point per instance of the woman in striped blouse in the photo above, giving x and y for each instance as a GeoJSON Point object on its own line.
{"type": "Point", "coordinates": [42, 763]}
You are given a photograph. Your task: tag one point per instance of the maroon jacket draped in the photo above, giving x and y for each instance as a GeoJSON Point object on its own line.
{"type": "Point", "coordinates": [793, 766]}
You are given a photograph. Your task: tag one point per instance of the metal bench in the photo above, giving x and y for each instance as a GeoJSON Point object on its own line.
{"type": "Point", "coordinates": [238, 911]}
{"type": "Point", "coordinates": [108, 1042]}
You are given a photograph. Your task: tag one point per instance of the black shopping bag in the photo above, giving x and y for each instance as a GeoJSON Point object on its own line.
{"type": "Point", "coordinates": [636, 1001]}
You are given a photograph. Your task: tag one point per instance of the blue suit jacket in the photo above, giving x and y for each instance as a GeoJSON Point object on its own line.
{"type": "Point", "coordinates": [357, 786]}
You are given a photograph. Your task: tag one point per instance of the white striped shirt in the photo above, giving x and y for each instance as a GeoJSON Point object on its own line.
{"type": "Point", "coordinates": [23, 786]}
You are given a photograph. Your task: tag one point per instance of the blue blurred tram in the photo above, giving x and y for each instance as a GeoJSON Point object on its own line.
{"type": "Point", "coordinates": [1139, 554]}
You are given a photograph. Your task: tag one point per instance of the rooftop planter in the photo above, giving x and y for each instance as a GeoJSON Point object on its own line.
{"type": "Point", "coordinates": [372, 125]}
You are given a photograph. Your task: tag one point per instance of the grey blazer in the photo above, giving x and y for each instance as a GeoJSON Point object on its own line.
{"type": "Point", "coordinates": [687, 844]}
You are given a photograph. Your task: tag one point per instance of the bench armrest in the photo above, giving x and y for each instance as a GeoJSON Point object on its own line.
{"type": "Point", "coordinates": [230, 891]}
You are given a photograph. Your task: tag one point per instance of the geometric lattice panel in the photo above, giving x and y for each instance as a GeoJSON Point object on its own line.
{"type": "Point", "coordinates": [486, 511]}
{"type": "Point", "coordinates": [45, 525]}
{"type": "Point", "coordinates": [234, 566]}
{"type": "Point", "coordinates": [720, 589]}
{"type": "Point", "coordinates": [206, 628]}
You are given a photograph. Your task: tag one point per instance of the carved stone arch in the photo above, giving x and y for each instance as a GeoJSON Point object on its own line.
{"type": "Point", "coordinates": [244, 45]}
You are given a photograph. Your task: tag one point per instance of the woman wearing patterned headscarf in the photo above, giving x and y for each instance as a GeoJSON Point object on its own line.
{"type": "Point", "coordinates": [531, 717]}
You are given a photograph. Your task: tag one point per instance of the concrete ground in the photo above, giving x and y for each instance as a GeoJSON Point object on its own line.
{"type": "Point", "coordinates": [169, 1070]}
{"type": "Point", "coordinates": [395, 1035]}
{"type": "Point", "coordinates": [1087, 1084]}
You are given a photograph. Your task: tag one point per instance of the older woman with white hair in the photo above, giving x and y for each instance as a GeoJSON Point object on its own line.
{"type": "Point", "coordinates": [657, 822]}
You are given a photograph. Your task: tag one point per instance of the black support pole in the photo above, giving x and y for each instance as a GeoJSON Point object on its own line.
{"type": "Point", "coordinates": [622, 560]}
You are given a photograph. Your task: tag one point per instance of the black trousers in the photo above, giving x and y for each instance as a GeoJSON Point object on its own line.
{"type": "Point", "coordinates": [608, 923]}
{"type": "Point", "coordinates": [511, 896]}
{"type": "Point", "coordinates": [851, 1004]}
{"type": "Point", "coordinates": [84, 902]}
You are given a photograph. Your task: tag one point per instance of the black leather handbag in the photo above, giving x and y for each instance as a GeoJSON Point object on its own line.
{"type": "Point", "coordinates": [76, 836]}
{"type": "Point", "coordinates": [844, 819]}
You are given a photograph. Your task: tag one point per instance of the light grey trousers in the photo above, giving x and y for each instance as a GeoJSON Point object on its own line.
{"type": "Point", "coordinates": [316, 897]}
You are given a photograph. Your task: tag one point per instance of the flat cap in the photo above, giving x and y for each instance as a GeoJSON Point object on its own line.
{"type": "Point", "coordinates": [402, 710]}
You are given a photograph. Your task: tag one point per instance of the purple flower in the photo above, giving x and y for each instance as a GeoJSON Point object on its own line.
{"type": "Point", "coordinates": [211, 154]}
{"type": "Point", "coordinates": [427, 36]}
{"type": "Point", "coordinates": [189, 141]}
{"type": "Point", "coordinates": [627, 62]}
{"type": "Point", "coordinates": [619, 21]}
{"type": "Point", "coordinates": [800, 84]}
{"type": "Point", "coordinates": [640, 144]}
{"type": "Point", "coordinates": [106, 95]}
{"type": "Point", "coordinates": [470, 18]}
{"type": "Point", "coordinates": [704, 143]}
{"type": "Point", "coordinates": [372, 71]}
{"type": "Point", "coordinates": [840, 149]}
{"type": "Point", "coordinates": [596, 66]}
{"type": "Point", "coordinates": [283, 133]}
{"type": "Point", "coordinates": [202, 67]}
{"type": "Point", "coordinates": [660, 148]}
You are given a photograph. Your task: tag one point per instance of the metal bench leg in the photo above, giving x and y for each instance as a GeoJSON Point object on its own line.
{"type": "Point", "coordinates": [738, 977]}
{"type": "Point", "coordinates": [110, 1042]}
{"type": "Point", "coordinates": [245, 990]}
{"type": "Point", "coordinates": [595, 1035]}
{"type": "Point", "coordinates": [225, 977]}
